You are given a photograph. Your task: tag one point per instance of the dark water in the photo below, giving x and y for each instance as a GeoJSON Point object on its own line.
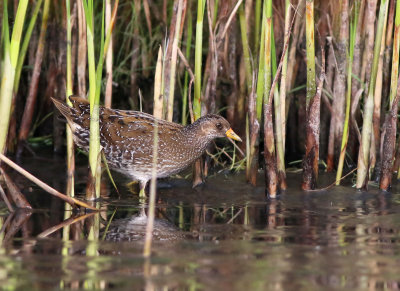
{"type": "Point", "coordinates": [222, 236]}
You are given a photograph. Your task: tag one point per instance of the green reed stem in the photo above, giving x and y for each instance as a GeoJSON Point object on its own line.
{"type": "Point", "coordinates": [345, 137]}
{"type": "Point", "coordinates": [10, 60]}
{"type": "Point", "coordinates": [363, 156]}
{"type": "Point", "coordinates": [261, 68]}
{"type": "Point", "coordinates": [198, 59]}
{"type": "Point", "coordinates": [395, 58]}
{"type": "Point", "coordinates": [246, 48]}
{"type": "Point", "coordinates": [25, 44]}
{"type": "Point", "coordinates": [95, 86]}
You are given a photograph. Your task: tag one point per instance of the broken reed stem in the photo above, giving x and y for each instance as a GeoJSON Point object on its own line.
{"type": "Point", "coordinates": [158, 85]}
{"type": "Point", "coordinates": [345, 136]}
{"type": "Point", "coordinates": [363, 156]}
{"type": "Point", "coordinates": [72, 201]}
{"type": "Point", "coordinates": [70, 141]}
{"type": "Point", "coordinates": [9, 63]}
{"type": "Point", "coordinates": [152, 200]}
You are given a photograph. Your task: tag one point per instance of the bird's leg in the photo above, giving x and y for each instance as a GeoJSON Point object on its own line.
{"type": "Point", "coordinates": [142, 192]}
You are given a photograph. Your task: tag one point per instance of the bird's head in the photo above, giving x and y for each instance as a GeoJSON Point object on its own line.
{"type": "Point", "coordinates": [214, 126]}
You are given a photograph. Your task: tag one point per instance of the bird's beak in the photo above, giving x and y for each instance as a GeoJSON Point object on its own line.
{"type": "Point", "coordinates": [231, 134]}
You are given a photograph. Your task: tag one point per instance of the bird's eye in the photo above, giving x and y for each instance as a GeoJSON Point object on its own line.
{"type": "Point", "coordinates": [218, 126]}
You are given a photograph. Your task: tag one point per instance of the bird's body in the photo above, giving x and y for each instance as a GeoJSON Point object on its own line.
{"type": "Point", "coordinates": [127, 138]}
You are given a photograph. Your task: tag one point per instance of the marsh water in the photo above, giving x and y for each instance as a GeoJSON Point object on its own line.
{"type": "Point", "coordinates": [224, 235]}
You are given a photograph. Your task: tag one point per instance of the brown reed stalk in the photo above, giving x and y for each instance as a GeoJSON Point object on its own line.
{"type": "Point", "coordinates": [176, 29]}
{"type": "Point", "coordinates": [339, 83]}
{"type": "Point", "coordinates": [33, 88]}
{"type": "Point", "coordinates": [82, 59]}
{"type": "Point", "coordinates": [69, 84]}
{"type": "Point", "coordinates": [313, 103]}
{"type": "Point", "coordinates": [135, 53]}
{"type": "Point", "coordinates": [364, 151]}
{"type": "Point", "coordinates": [390, 126]}
{"type": "Point", "coordinates": [389, 142]}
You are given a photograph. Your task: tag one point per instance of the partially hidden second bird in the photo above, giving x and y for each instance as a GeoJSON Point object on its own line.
{"type": "Point", "coordinates": [127, 139]}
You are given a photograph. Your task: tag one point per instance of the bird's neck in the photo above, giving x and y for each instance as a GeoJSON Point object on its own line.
{"type": "Point", "coordinates": [196, 138]}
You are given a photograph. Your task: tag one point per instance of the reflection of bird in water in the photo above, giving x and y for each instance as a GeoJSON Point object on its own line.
{"type": "Point", "coordinates": [127, 139]}
{"type": "Point", "coordinates": [134, 229]}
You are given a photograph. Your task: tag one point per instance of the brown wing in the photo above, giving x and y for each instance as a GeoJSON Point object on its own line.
{"type": "Point", "coordinates": [132, 131]}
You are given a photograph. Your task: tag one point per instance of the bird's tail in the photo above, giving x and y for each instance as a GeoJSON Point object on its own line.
{"type": "Point", "coordinates": [63, 108]}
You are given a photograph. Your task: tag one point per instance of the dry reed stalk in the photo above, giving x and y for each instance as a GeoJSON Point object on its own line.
{"type": "Point", "coordinates": [72, 201]}
{"type": "Point", "coordinates": [69, 85]}
{"type": "Point", "coordinates": [345, 137]}
{"type": "Point", "coordinates": [391, 118]}
{"type": "Point", "coordinates": [254, 127]}
{"type": "Point", "coordinates": [291, 67]}
{"type": "Point", "coordinates": [146, 9]}
{"type": "Point", "coordinates": [387, 60]}
{"type": "Point", "coordinates": [376, 116]}
{"type": "Point", "coordinates": [283, 85]}
{"type": "Point", "coordinates": [389, 143]}
{"type": "Point", "coordinates": [189, 34]}
{"type": "Point", "coordinates": [16, 195]}
{"type": "Point", "coordinates": [339, 82]}
{"type": "Point", "coordinates": [82, 59]}
{"type": "Point", "coordinates": [364, 151]}
{"type": "Point", "coordinates": [135, 53]}
{"type": "Point", "coordinates": [170, 75]}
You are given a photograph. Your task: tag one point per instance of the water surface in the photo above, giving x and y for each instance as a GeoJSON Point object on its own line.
{"type": "Point", "coordinates": [224, 235]}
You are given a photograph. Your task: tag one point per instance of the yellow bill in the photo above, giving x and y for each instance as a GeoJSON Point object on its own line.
{"type": "Point", "coordinates": [231, 134]}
